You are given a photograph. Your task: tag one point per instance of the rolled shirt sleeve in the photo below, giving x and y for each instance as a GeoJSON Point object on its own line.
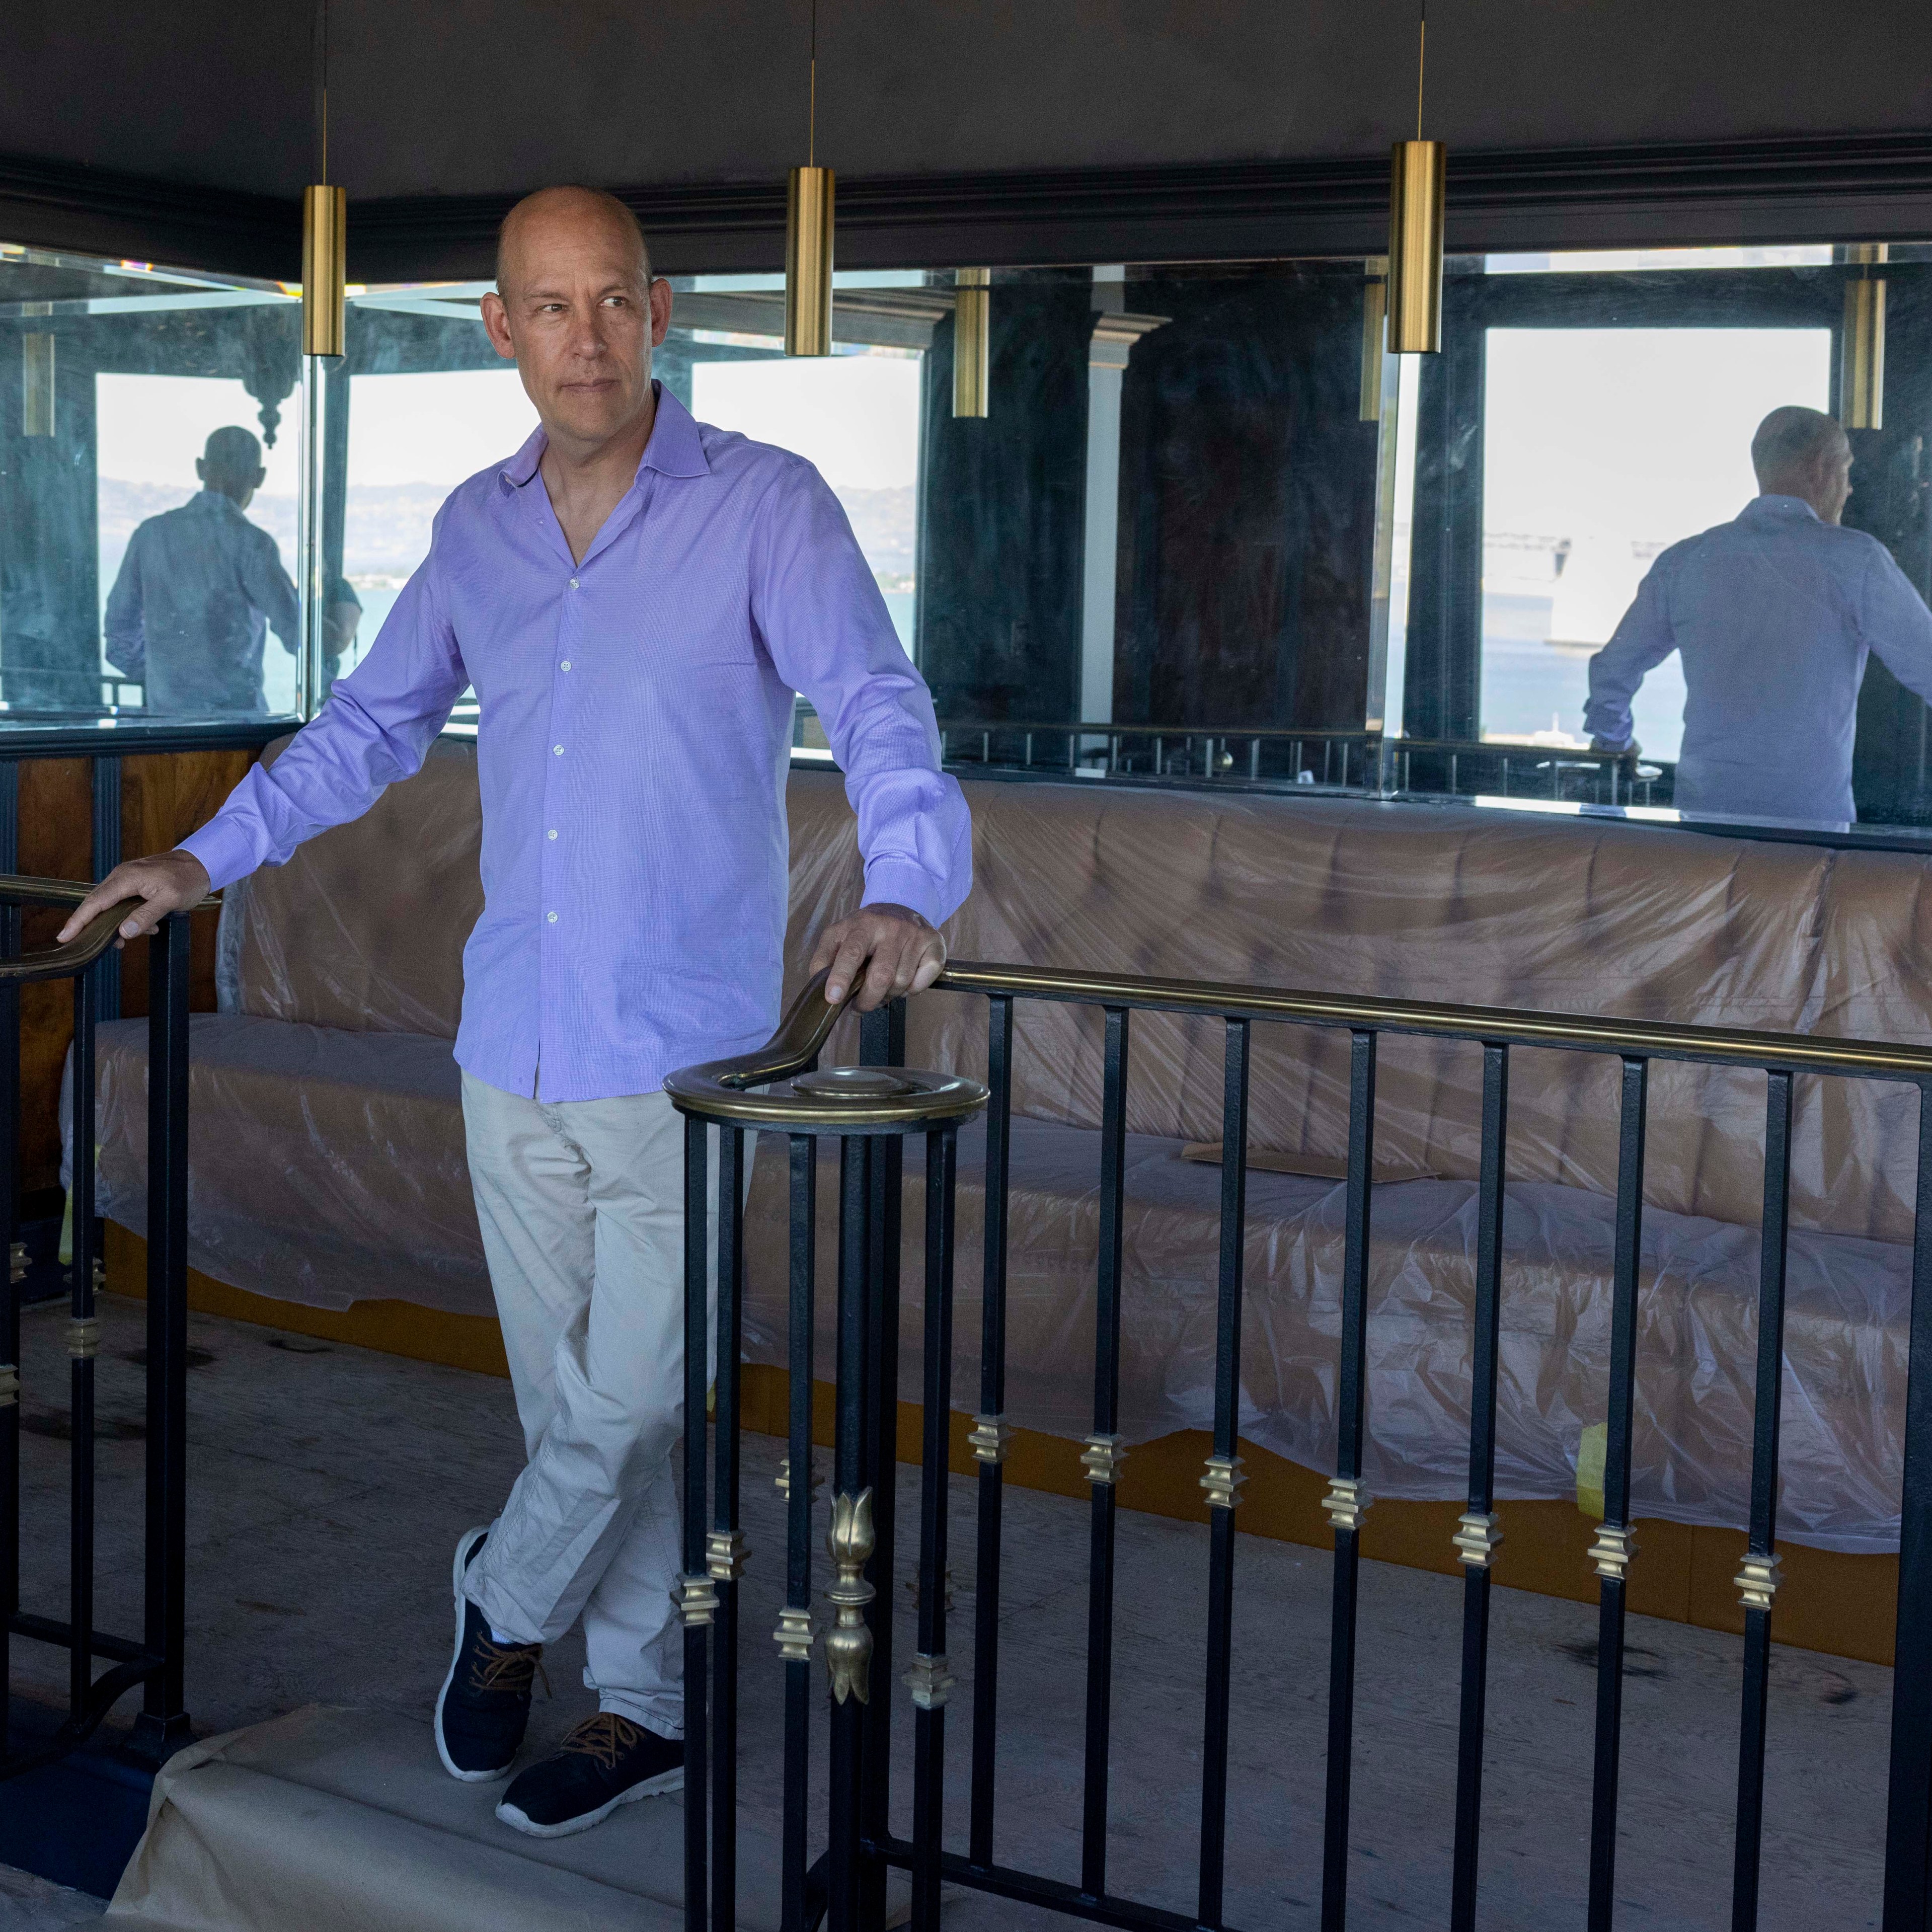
{"type": "Point", "coordinates": [825, 624]}
{"type": "Point", "coordinates": [1640, 642]}
{"type": "Point", "coordinates": [376, 727]}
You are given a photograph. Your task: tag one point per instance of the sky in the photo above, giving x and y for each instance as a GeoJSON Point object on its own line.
{"type": "Point", "coordinates": [152, 428]}
{"type": "Point", "coordinates": [856, 417]}
{"type": "Point", "coordinates": [438, 427]}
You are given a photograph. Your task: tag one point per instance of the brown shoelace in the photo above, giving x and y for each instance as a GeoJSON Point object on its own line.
{"type": "Point", "coordinates": [508, 1667]}
{"type": "Point", "coordinates": [605, 1737]}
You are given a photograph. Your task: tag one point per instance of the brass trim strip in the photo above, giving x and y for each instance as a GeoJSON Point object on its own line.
{"type": "Point", "coordinates": [1347, 1502]}
{"type": "Point", "coordinates": [1223, 1482]}
{"type": "Point", "coordinates": [1799, 1052]}
{"type": "Point", "coordinates": [1103, 1457]}
{"type": "Point", "coordinates": [1478, 1538]}
{"type": "Point", "coordinates": [1757, 1581]}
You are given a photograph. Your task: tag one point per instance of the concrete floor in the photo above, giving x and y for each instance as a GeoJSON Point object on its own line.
{"type": "Point", "coordinates": [330, 1483]}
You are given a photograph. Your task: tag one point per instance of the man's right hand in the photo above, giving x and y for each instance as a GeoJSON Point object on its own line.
{"type": "Point", "coordinates": [166, 882]}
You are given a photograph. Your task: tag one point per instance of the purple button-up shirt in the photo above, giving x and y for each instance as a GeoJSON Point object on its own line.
{"type": "Point", "coordinates": [634, 734]}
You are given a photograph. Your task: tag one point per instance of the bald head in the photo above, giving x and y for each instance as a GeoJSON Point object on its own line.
{"type": "Point", "coordinates": [1803, 453]}
{"type": "Point", "coordinates": [568, 217]}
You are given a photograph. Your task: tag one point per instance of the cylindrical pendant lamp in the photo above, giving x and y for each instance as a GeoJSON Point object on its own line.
{"type": "Point", "coordinates": [1415, 248]}
{"type": "Point", "coordinates": [324, 231]}
{"type": "Point", "coordinates": [1861, 347]}
{"type": "Point", "coordinates": [972, 340]}
{"type": "Point", "coordinates": [809, 220]}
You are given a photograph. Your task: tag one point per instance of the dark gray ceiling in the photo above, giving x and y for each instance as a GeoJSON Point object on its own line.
{"type": "Point", "coordinates": [490, 97]}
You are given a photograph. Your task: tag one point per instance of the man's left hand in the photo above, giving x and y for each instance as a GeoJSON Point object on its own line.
{"type": "Point", "coordinates": [897, 952]}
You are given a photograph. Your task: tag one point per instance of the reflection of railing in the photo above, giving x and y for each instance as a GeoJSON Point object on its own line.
{"type": "Point", "coordinates": [154, 1659]}
{"type": "Point", "coordinates": [1467, 768]}
{"type": "Point", "coordinates": [878, 1105]}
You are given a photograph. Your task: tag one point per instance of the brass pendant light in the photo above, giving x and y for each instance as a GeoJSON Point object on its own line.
{"type": "Point", "coordinates": [1415, 232]}
{"type": "Point", "coordinates": [972, 340]}
{"type": "Point", "coordinates": [1862, 348]}
{"type": "Point", "coordinates": [324, 224]}
{"type": "Point", "coordinates": [808, 224]}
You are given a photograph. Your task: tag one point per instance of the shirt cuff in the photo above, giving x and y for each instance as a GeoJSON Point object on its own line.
{"type": "Point", "coordinates": [903, 882]}
{"type": "Point", "coordinates": [223, 849]}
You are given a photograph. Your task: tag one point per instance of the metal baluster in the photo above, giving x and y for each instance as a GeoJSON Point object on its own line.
{"type": "Point", "coordinates": [1757, 1581]}
{"type": "Point", "coordinates": [1347, 1501]}
{"type": "Point", "coordinates": [1224, 1478]}
{"type": "Point", "coordinates": [929, 1679]}
{"type": "Point", "coordinates": [697, 1596]}
{"type": "Point", "coordinates": [10, 1228]}
{"type": "Point", "coordinates": [1102, 1460]}
{"type": "Point", "coordinates": [989, 1436]}
{"type": "Point", "coordinates": [83, 1339]}
{"type": "Point", "coordinates": [106, 970]}
{"type": "Point", "coordinates": [793, 1634]}
{"type": "Point", "coordinates": [1614, 1546]}
{"type": "Point", "coordinates": [724, 1548]}
{"type": "Point", "coordinates": [1908, 1841]}
{"type": "Point", "coordinates": [1478, 1535]}
{"type": "Point", "coordinates": [162, 1726]}
{"type": "Point", "coordinates": [881, 1043]}
{"type": "Point", "coordinates": [848, 1645]}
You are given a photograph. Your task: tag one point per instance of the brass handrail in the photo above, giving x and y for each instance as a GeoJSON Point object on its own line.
{"type": "Point", "coordinates": [1513, 1026]}
{"type": "Point", "coordinates": [63, 962]}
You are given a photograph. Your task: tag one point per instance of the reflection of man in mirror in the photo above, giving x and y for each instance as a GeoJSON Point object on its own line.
{"type": "Point", "coordinates": [1773, 614]}
{"type": "Point", "coordinates": [198, 589]}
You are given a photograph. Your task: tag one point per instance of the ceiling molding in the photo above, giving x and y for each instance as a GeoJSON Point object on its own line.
{"type": "Point", "coordinates": [1851, 187]}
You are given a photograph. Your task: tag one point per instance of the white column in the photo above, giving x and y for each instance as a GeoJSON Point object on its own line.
{"type": "Point", "coordinates": [1115, 334]}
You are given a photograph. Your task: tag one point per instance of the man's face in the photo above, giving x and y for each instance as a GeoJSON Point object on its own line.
{"type": "Point", "coordinates": [578, 317]}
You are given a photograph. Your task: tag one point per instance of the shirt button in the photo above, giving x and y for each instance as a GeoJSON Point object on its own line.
{"type": "Point", "coordinates": [558, 749]}
{"type": "Point", "coordinates": [566, 664]}
{"type": "Point", "coordinates": [553, 918]}
{"type": "Point", "coordinates": [573, 583]}
{"type": "Point", "coordinates": [552, 834]}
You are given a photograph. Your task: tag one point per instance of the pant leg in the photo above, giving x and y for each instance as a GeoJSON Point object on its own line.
{"type": "Point", "coordinates": [591, 1528]}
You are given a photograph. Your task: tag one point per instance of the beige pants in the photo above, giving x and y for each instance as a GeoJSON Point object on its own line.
{"type": "Point", "coordinates": [582, 1209]}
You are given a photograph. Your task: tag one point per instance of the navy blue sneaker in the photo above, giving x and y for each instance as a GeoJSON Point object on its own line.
{"type": "Point", "coordinates": [606, 1761]}
{"type": "Point", "coordinates": [485, 1702]}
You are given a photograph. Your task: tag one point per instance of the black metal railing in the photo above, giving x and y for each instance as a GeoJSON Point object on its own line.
{"type": "Point", "coordinates": [847, 1881]}
{"type": "Point", "coordinates": [154, 1659]}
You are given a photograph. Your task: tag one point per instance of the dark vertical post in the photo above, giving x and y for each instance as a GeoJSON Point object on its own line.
{"type": "Point", "coordinates": [1223, 1478]}
{"type": "Point", "coordinates": [1103, 1458]}
{"type": "Point", "coordinates": [1758, 1579]}
{"type": "Point", "coordinates": [1615, 1547]}
{"type": "Point", "coordinates": [10, 1231]}
{"type": "Point", "coordinates": [1479, 1536]}
{"type": "Point", "coordinates": [1347, 1500]}
{"type": "Point", "coordinates": [929, 1678]}
{"type": "Point", "coordinates": [695, 1596]}
{"type": "Point", "coordinates": [989, 1431]}
{"type": "Point", "coordinates": [1908, 1840]}
{"type": "Point", "coordinates": [794, 1630]}
{"type": "Point", "coordinates": [162, 1726]}
{"type": "Point", "coordinates": [106, 969]}
{"type": "Point", "coordinates": [845, 1645]}
{"type": "Point", "coordinates": [881, 1043]}
{"type": "Point", "coordinates": [725, 1550]}
{"type": "Point", "coordinates": [82, 1331]}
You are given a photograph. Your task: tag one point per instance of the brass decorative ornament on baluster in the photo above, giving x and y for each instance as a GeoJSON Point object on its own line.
{"type": "Point", "coordinates": [1416, 195]}
{"type": "Point", "coordinates": [810, 198]}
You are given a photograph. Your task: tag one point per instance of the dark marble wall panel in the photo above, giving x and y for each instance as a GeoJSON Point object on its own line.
{"type": "Point", "coordinates": [1002, 501]}
{"type": "Point", "coordinates": [1247, 504]}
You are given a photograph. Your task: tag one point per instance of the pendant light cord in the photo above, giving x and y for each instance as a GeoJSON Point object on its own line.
{"type": "Point", "coordinates": [322, 91]}
{"type": "Point", "coordinates": [1421, 57]}
{"type": "Point", "coordinates": [811, 120]}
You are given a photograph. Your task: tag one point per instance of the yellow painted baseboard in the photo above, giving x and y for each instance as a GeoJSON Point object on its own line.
{"type": "Point", "coordinates": [1845, 1606]}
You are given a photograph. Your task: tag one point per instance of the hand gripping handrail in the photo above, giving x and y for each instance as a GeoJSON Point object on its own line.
{"type": "Point", "coordinates": [63, 962]}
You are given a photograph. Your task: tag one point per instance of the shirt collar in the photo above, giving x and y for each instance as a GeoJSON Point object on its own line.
{"type": "Point", "coordinates": [1770, 504]}
{"type": "Point", "coordinates": [675, 448]}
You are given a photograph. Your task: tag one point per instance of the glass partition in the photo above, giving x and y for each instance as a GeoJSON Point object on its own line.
{"type": "Point", "coordinates": [148, 423]}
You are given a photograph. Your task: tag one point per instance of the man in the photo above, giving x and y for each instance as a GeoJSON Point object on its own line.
{"type": "Point", "coordinates": [635, 597]}
{"type": "Point", "coordinates": [1774, 614]}
{"type": "Point", "coordinates": [199, 587]}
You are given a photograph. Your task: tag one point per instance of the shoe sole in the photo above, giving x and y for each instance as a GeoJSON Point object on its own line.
{"type": "Point", "coordinates": [466, 1544]}
{"type": "Point", "coordinates": [649, 1787]}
